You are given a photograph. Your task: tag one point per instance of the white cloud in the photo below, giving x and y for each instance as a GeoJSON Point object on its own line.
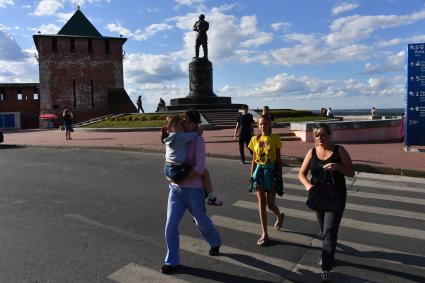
{"type": "Point", "coordinates": [148, 32]}
{"type": "Point", "coordinates": [46, 29]}
{"type": "Point", "coordinates": [227, 37]}
{"type": "Point", "coordinates": [48, 7]}
{"type": "Point", "coordinates": [285, 89]}
{"type": "Point", "coordinates": [310, 51]}
{"type": "Point", "coordinates": [149, 68]}
{"type": "Point", "coordinates": [82, 2]}
{"type": "Point", "coordinates": [343, 7]}
{"type": "Point", "coordinates": [376, 83]}
{"type": "Point", "coordinates": [260, 39]}
{"type": "Point", "coordinates": [64, 17]}
{"type": "Point", "coordinates": [400, 41]}
{"type": "Point", "coordinates": [9, 49]}
{"type": "Point", "coordinates": [4, 3]}
{"type": "Point", "coordinates": [188, 2]}
{"type": "Point", "coordinates": [350, 29]}
{"type": "Point", "coordinates": [20, 69]}
{"type": "Point", "coordinates": [393, 63]}
{"type": "Point", "coordinates": [117, 28]}
{"type": "Point", "coordinates": [281, 26]}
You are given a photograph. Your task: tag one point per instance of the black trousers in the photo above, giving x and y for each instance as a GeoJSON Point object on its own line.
{"type": "Point", "coordinates": [329, 225]}
{"type": "Point", "coordinates": [244, 141]}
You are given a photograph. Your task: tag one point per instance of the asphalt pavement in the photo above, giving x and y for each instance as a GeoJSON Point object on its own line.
{"type": "Point", "coordinates": [89, 215]}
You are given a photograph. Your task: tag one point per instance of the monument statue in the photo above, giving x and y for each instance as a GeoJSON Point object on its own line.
{"type": "Point", "coordinates": [201, 94]}
{"type": "Point", "coordinates": [201, 26]}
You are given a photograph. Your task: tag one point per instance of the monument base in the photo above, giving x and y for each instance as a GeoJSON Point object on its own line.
{"type": "Point", "coordinates": [201, 95]}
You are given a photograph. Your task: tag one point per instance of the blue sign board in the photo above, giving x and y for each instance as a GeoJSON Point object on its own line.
{"type": "Point", "coordinates": [414, 104]}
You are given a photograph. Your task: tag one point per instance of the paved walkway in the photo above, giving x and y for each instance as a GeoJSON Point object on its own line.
{"type": "Point", "coordinates": [388, 158]}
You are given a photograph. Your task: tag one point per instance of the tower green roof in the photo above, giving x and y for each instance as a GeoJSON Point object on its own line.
{"type": "Point", "coordinates": [79, 25]}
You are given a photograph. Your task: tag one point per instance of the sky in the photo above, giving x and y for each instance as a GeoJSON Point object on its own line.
{"type": "Point", "coordinates": [302, 54]}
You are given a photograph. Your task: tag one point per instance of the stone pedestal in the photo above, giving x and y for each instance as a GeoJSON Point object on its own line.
{"type": "Point", "coordinates": [201, 94]}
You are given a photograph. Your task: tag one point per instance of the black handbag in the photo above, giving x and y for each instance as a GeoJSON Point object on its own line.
{"type": "Point", "coordinates": [324, 196]}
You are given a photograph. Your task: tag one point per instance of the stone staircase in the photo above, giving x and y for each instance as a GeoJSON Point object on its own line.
{"type": "Point", "coordinates": [94, 120]}
{"type": "Point", "coordinates": [221, 119]}
{"type": "Point", "coordinates": [288, 135]}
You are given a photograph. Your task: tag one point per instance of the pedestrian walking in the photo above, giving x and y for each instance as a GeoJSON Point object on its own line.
{"type": "Point", "coordinates": [244, 131]}
{"type": "Point", "coordinates": [67, 121]}
{"type": "Point", "coordinates": [176, 148]}
{"type": "Point", "coordinates": [189, 194]}
{"type": "Point", "coordinates": [139, 105]}
{"type": "Point", "coordinates": [331, 162]}
{"type": "Point", "coordinates": [266, 112]}
{"type": "Point", "coordinates": [161, 105]}
{"type": "Point", "coordinates": [266, 171]}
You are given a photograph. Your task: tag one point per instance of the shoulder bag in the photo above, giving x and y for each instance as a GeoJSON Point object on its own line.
{"type": "Point", "coordinates": [324, 196]}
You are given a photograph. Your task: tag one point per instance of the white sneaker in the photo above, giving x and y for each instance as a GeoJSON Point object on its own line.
{"type": "Point", "coordinates": [325, 276]}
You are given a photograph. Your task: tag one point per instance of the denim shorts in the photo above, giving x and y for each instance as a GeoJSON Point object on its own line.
{"type": "Point", "coordinates": [176, 172]}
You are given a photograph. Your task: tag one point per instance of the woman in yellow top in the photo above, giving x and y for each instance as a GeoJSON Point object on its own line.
{"type": "Point", "coordinates": [266, 171]}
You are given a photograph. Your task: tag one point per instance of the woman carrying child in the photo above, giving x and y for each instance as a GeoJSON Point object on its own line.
{"type": "Point", "coordinates": [189, 194]}
{"type": "Point", "coordinates": [266, 172]}
{"type": "Point", "coordinates": [176, 167]}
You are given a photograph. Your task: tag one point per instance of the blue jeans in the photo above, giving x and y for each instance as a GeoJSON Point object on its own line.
{"type": "Point", "coordinates": [177, 172]}
{"type": "Point", "coordinates": [192, 199]}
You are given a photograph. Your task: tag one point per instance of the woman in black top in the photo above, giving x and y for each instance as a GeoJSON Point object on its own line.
{"type": "Point", "coordinates": [67, 121]}
{"type": "Point", "coordinates": [327, 156]}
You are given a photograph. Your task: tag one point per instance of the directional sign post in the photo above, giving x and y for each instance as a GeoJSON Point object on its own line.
{"type": "Point", "coordinates": [414, 106]}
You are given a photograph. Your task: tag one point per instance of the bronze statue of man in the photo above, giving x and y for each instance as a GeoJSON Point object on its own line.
{"type": "Point", "coordinates": [201, 26]}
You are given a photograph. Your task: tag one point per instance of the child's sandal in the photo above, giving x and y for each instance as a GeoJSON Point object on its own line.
{"type": "Point", "coordinates": [215, 201]}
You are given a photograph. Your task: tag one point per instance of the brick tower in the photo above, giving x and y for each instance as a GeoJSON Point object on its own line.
{"type": "Point", "coordinates": [81, 70]}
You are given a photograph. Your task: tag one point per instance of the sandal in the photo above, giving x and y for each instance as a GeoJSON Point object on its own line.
{"type": "Point", "coordinates": [215, 201]}
{"type": "Point", "coordinates": [263, 241]}
{"type": "Point", "coordinates": [279, 222]}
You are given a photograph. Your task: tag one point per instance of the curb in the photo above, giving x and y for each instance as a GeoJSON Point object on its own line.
{"type": "Point", "coordinates": [288, 161]}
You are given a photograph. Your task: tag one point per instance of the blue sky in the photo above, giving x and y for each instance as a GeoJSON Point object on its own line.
{"type": "Point", "coordinates": [300, 54]}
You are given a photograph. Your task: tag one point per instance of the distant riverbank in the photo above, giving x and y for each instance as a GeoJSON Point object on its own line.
{"type": "Point", "coordinates": [362, 112]}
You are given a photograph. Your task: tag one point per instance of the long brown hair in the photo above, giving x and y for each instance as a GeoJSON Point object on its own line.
{"type": "Point", "coordinates": [193, 116]}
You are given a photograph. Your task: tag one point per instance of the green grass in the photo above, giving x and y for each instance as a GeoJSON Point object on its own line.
{"type": "Point", "coordinates": [158, 120]}
{"type": "Point", "coordinates": [131, 121]}
{"type": "Point", "coordinates": [126, 124]}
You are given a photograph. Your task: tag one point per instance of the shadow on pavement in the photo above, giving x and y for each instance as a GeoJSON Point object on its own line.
{"type": "Point", "coordinates": [412, 260]}
{"type": "Point", "coordinates": [216, 275]}
{"type": "Point", "coordinates": [94, 139]}
{"type": "Point", "coordinates": [381, 270]}
{"type": "Point", "coordinates": [11, 146]}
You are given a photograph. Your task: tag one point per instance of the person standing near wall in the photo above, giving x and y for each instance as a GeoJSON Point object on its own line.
{"type": "Point", "coordinates": [67, 121]}
{"type": "Point", "coordinates": [244, 131]}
